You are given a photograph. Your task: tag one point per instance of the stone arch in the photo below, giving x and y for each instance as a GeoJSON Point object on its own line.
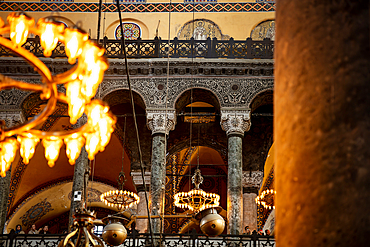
{"type": "Point", "coordinates": [200, 93]}
{"type": "Point", "coordinates": [120, 105]}
{"type": "Point", "coordinates": [66, 21]}
{"type": "Point", "coordinates": [46, 203]}
{"type": "Point", "coordinates": [201, 29]}
{"type": "Point", "coordinates": [110, 87]}
{"type": "Point", "coordinates": [258, 91]}
{"type": "Point", "coordinates": [263, 98]}
{"type": "Point", "coordinates": [264, 29]}
{"type": "Point", "coordinates": [213, 175]}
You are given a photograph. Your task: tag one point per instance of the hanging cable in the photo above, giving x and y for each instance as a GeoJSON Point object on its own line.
{"type": "Point", "coordinates": [123, 47]}
{"type": "Point", "coordinates": [166, 113]}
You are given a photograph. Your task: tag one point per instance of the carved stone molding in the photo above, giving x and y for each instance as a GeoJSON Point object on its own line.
{"type": "Point", "coordinates": [235, 121]}
{"type": "Point", "coordinates": [230, 92]}
{"type": "Point", "coordinates": [252, 179]}
{"type": "Point", "coordinates": [138, 180]}
{"type": "Point", "coordinates": [160, 120]}
{"type": "Point", "coordinates": [234, 82]}
{"type": "Point", "coordinates": [12, 118]}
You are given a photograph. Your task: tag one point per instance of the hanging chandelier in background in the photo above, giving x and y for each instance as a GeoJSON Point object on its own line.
{"type": "Point", "coordinates": [196, 199]}
{"type": "Point", "coordinates": [266, 199]}
{"type": "Point", "coordinates": [81, 83]}
{"type": "Point", "coordinates": [121, 199]}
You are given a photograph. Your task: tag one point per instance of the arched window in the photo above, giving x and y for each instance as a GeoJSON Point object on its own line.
{"type": "Point", "coordinates": [200, 29]}
{"type": "Point", "coordinates": [265, 29]}
{"type": "Point", "coordinates": [131, 31]}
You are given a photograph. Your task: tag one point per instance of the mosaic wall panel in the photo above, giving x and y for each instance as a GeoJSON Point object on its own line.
{"type": "Point", "coordinates": [35, 213]}
{"type": "Point", "coordinates": [131, 31]}
{"type": "Point", "coordinates": [264, 30]}
{"type": "Point", "coordinates": [201, 29]}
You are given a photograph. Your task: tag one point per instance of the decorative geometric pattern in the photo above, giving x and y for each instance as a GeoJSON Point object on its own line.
{"type": "Point", "coordinates": [132, 31]}
{"type": "Point", "coordinates": [35, 213]}
{"type": "Point", "coordinates": [142, 7]}
{"type": "Point", "coordinates": [262, 213]}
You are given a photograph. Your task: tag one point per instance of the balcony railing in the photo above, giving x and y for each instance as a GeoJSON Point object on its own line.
{"type": "Point", "coordinates": [143, 240]}
{"type": "Point", "coordinates": [158, 48]}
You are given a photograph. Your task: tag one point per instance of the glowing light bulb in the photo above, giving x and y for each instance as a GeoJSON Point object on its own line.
{"type": "Point", "coordinates": [74, 41]}
{"type": "Point", "coordinates": [20, 24]}
{"type": "Point", "coordinates": [28, 145]}
{"type": "Point", "coordinates": [92, 144]}
{"type": "Point", "coordinates": [73, 147]}
{"type": "Point", "coordinates": [52, 147]}
{"type": "Point", "coordinates": [49, 30]}
{"type": "Point", "coordinates": [8, 149]}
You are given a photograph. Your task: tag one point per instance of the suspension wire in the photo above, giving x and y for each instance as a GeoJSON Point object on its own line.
{"type": "Point", "coordinates": [99, 20]}
{"type": "Point", "coordinates": [166, 116]}
{"type": "Point", "coordinates": [104, 20]}
{"type": "Point", "coordinates": [123, 144]}
{"type": "Point", "coordinates": [123, 47]}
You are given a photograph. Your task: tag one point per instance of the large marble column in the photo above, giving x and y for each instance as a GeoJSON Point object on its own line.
{"type": "Point", "coordinates": [251, 184]}
{"type": "Point", "coordinates": [141, 224]}
{"type": "Point", "coordinates": [81, 169]}
{"type": "Point", "coordinates": [160, 122]}
{"type": "Point", "coordinates": [11, 118]}
{"type": "Point", "coordinates": [322, 123]}
{"type": "Point", "coordinates": [235, 122]}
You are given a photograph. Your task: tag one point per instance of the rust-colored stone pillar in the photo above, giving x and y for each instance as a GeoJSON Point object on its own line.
{"type": "Point", "coordinates": [322, 123]}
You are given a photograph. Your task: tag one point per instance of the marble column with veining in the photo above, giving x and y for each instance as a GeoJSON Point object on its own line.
{"type": "Point", "coordinates": [11, 118]}
{"type": "Point", "coordinates": [81, 167]}
{"type": "Point", "coordinates": [252, 181]}
{"type": "Point", "coordinates": [235, 122]}
{"type": "Point", "coordinates": [160, 122]}
{"type": "Point", "coordinates": [142, 224]}
{"type": "Point", "coordinates": [141, 210]}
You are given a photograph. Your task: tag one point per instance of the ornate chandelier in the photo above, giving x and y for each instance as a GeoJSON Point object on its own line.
{"type": "Point", "coordinates": [266, 199]}
{"type": "Point", "coordinates": [196, 199]}
{"type": "Point", "coordinates": [81, 83]}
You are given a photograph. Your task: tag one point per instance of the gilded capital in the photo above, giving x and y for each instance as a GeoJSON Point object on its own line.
{"type": "Point", "coordinates": [161, 120]}
{"type": "Point", "coordinates": [235, 121]}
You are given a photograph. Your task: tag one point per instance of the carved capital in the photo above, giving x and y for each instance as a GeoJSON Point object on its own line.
{"type": "Point", "coordinates": [235, 121]}
{"type": "Point", "coordinates": [161, 120]}
{"type": "Point", "coordinates": [252, 179]}
{"type": "Point", "coordinates": [12, 118]}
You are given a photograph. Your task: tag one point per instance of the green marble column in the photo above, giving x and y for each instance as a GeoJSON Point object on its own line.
{"type": "Point", "coordinates": [235, 122]}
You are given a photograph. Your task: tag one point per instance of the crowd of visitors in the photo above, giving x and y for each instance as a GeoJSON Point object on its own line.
{"type": "Point", "coordinates": [247, 231]}
{"type": "Point", "coordinates": [33, 230]}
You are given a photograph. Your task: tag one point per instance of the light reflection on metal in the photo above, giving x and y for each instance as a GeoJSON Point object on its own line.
{"type": "Point", "coordinates": [266, 199]}
{"type": "Point", "coordinates": [83, 223]}
{"type": "Point", "coordinates": [196, 199]}
{"type": "Point", "coordinates": [81, 83]}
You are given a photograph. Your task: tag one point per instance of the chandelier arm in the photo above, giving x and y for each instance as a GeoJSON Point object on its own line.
{"type": "Point", "coordinates": [9, 83]}
{"type": "Point", "coordinates": [30, 58]}
{"type": "Point", "coordinates": [5, 29]}
{"type": "Point", "coordinates": [65, 77]}
{"type": "Point", "coordinates": [48, 110]}
{"type": "Point", "coordinates": [61, 134]}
